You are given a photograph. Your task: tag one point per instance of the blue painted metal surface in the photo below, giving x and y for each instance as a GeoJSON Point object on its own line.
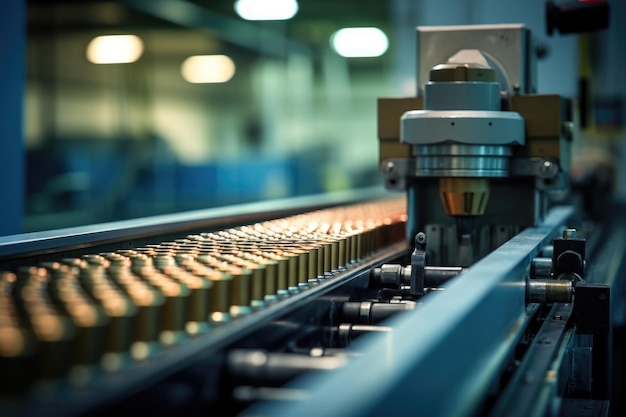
{"type": "Point", "coordinates": [12, 65]}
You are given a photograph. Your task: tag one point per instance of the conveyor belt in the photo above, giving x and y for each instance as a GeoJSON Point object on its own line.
{"type": "Point", "coordinates": [73, 322]}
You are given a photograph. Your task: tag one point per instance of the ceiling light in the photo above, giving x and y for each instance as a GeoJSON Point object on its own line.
{"type": "Point", "coordinates": [114, 49]}
{"type": "Point", "coordinates": [359, 42]}
{"type": "Point", "coordinates": [199, 69]}
{"type": "Point", "coordinates": [266, 9]}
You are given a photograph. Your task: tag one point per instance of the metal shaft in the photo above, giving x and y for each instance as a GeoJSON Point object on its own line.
{"type": "Point", "coordinates": [395, 275]}
{"type": "Point", "coordinates": [549, 291]}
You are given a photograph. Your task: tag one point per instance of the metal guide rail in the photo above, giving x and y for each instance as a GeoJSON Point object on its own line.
{"type": "Point", "coordinates": [481, 346]}
{"type": "Point", "coordinates": [82, 333]}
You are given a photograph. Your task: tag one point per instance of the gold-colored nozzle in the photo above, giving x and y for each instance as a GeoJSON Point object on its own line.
{"type": "Point", "coordinates": [464, 196]}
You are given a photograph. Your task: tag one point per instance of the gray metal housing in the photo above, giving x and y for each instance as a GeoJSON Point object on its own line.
{"type": "Point", "coordinates": [510, 43]}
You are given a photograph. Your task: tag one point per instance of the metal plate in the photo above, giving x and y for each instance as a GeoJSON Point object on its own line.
{"type": "Point", "coordinates": [507, 44]}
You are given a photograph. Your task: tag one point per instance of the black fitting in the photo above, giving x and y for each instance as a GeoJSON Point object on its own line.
{"type": "Point", "coordinates": [592, 308]}
{"type": "Point", "coordinates": [569, 262]}
{"type": "Point", "coordinates": [568, 256]}
{"type": "Point", "coordinates": [576, 16]}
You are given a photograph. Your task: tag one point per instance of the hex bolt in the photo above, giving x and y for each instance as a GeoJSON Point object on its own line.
{"type": "Point", "coordinates": [390, 274]}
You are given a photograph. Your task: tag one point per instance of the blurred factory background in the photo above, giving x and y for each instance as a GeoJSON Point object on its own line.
{"type": "Point", "coordinates": [281, 111]}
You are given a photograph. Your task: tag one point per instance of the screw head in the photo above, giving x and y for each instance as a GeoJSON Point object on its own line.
{"type": "Point", "coordinates": [548, 169]}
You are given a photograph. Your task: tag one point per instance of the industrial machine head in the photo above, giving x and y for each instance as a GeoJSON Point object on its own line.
{"type": "Point", "coordinates": [474, 139]}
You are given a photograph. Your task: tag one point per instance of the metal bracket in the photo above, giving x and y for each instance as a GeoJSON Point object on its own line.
{"type": "Point", "coordinates": [395, 171]}
{"type": "Point", "coordinates": [592, 308]}
{"type": "Point", "coordinates": [547, 172]}
{"type": "Point", "coordinates": [534, 167]}
{"type": "Point", "coordinates": [418, 263]}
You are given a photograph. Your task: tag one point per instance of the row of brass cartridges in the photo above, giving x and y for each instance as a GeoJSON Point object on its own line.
{"type": "Point", "coordinates": [316, 257]}
{"type": "Point", "coordinates": [248, 283]}
{"type": "Point", "coordinates": [336, 250]}
{"type": "Point", "coordinates": [302, 257]}
{"type": "Point", "coordinates": [384, 220]}
{"type": "Point", "coordinates": [262, 271]}
{"type": "Point", "coordinates": [105, 308]}
{"type": "Point", "coordinates": [52, 323]}
{"type": "Point", "coordinates": [131, 301]}
{"type": "Point", "coordinates": [257, 277]}
{"type": "Point", "coordinates": [249, 280]}
{"type": "Point", "coordinates": [78, 315]}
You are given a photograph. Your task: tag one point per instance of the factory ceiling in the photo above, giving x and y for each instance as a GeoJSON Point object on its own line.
{"type": "Point", "coordinates": [310, 28]}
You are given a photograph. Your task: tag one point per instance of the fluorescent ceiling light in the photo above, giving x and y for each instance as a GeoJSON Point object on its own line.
{"type": "Point", "coordinates": [114, 49]}
{"type": "Point", "coordinates": [359, 42]}
{"type": "Point", "coordinates": [199, 69]}
{"type": "Point", "coordinates": [266, 9]}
